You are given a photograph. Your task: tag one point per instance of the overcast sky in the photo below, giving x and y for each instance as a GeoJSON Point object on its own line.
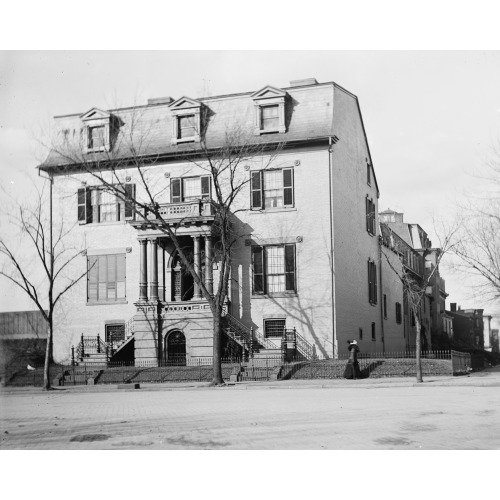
{"type": "Point", "coordinates": [431, 117]}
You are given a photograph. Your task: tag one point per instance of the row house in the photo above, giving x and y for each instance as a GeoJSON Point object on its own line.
{"type": "Point", "coordinates": [308, 261]}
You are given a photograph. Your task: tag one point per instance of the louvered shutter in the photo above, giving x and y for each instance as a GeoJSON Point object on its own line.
{"type": "Point", "coordinates": [375, 291]}
{"type": "Point", "coordinates": [129, 204]}
{"type": "Point", "coordinates": [205, 186]}
{"type": "Point", "coordinates": [256, 190]}
{"type": "Point", "coordinates": [288, 187]}
{"type": "Point", "coordinates": [175, 191]}
{"type": "Point", "coordinates": [370, 286]}
{"type": "Point", "coordinates": [92, 278]}
{"type": "Point", "coordinates": [367, 208]}
{"type": "Point", "coordinates": [258, 269]}
{"type": "Point", "coordinates": [290, 268]}
{"type": "Point", "coordinates": [120, 275]}
{"type": "Point", "coordinates": [82, 217]}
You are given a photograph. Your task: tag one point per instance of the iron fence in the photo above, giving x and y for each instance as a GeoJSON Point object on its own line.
{"type": "Point", "coordinates": [182, 369]}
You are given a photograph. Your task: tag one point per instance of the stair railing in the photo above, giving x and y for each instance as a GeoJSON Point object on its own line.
{"type": "Point", "coordinates": [300, 344]}
{"type": "Point", "coordinates": [249, 335]}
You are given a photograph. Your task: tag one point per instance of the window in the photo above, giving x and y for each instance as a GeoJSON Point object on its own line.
{"type": "Point", "coordinates": [269, 105]}
{"type": "Point", "coordinates": [274, 327]}
{"type": "Point", "coordinates": [96, 131]}
{"type": "Point", "coordinates": [269, 118]}
{"type": "Point", "coordinates": [96, 137]}
{"type": "Point", "coordinates": [398, 313]}
{"type": "Point", "coordinates": [385, 306]}
{"type": "Point", "coordinates": [106, 278]}
{"type": "Point", "coordinates": [186, 128]}
{"type": "Point", "coordinates": [273, 269]}
{"type": "Point", "coordinates": [368, 174]}
{"type": "Point", "coordinates": [272, 189]}
{"type": "Point", "coordinates": [115, 332]}
{"type": "Point", "coordinates": [186, 120]}
{"type": "Point", "coordinates": [361, 334]}
{"type": "Point", "coordinates": [372, 282]}
{"type": "Point", "coordinates": [96, 204]}
{"type": "Point", "coordinates": [374, 337]}
{"type": "Point", "coordinates": [190, 189]}
{"type": "Point", "coordinates": [370, 215]}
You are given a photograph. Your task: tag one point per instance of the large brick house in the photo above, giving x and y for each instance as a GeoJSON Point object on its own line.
{"type": "Point", "coordinates": [310, 260]}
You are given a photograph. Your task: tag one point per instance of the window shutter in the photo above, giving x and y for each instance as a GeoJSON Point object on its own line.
{"type": "Point", "coordinates": [129, 204]}
{"type": "Point", "coordinates": [369, 282]}
{"type": "Point", "coordinates": [205, 186]}
{"type": "Point", "coordinates": [367, 207]}
{"type": "Point", "coordinates": [88, 205]}
{"type": "Point", "coordinates": [288, 187]}
{"type": "Point", "coordinates": [82, 218]}
{"type": "Point", "coordinates": [256, 190]}
{"type": "Point", "coordinates": [258, 269]}
{"type": "Point", "coordinates": [92, 278]}
{"type": "Point", "coordinates": [175, 191]}
{"type": "Point", "coordinates": [290, 268]}
{"type": "Point", "coordinates": [374, 282]}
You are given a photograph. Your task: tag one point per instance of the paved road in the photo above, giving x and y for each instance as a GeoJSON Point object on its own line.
{"type": "Point", "coordinates": [443, 413]}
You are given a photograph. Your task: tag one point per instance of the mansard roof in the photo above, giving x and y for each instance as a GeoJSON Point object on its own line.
{"type": "Point", "coordinates": [309, 118]}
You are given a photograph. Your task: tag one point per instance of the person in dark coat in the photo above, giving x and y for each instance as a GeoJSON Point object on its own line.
{"type": "Point", "coordinates": [352, 370]}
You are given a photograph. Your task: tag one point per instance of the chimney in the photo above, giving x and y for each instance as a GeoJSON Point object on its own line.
{"type": "Point", "coordinates": [453, 307]}
{"type": "Point", "coordinates": [160, 100]}
{"type": "Point", "coordinates": [305, 81]}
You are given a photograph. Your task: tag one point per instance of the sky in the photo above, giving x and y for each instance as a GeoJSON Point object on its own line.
{"type": "Point", "coordinates": [431, 117]}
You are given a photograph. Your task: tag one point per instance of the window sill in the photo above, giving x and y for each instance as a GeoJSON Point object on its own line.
{"type": "Point", "coordinates": [98, 150]}
{"type": "Point", "coordinates": [186, 140]}
{"type": "Point", "coordinates": [271, 210]}
{"type": "Point", "coordinates": [107, 223]}
{"type": "Point", "coordinates": [280, 295]}
{"type": "Point", "coordinates": [107, 302]}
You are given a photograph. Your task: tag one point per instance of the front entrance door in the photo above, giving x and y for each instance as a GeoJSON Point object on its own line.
{"type": "Point", "coordinates": [175, 347]}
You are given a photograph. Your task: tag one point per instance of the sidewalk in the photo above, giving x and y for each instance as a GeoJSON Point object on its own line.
{"type": "Point", "coordinates": [489, 377]}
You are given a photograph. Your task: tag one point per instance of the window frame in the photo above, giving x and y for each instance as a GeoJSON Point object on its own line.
{"type": "Point", "coordinates": [264, 98]}
{"type": "Point", "coordinates": [399, 315]}
{"type": "Point", "coordinates": [372, 282]}
{"type": "Point", "coordinates": [258, 189]}
{"type": "Point", "coordinates": [385, 305]}
{"type": "Point", "coordinates": [370, 216]}
{"type": "Point", "coordinates": [260, 272]}
{"type": "Point", "coordinates": [374, 331]}
{"type": "Point", "coordinates": [266, 321]}
{"type": "Point", "coordinates": [177, 184]}
{"type": "Point", "coordinates": [89, 212]}
{"type": "Point", "coordinates": [98, 282]}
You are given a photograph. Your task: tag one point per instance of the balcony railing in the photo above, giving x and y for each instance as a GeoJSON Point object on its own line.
{"type": "Point", "coordinates": [185, 210]}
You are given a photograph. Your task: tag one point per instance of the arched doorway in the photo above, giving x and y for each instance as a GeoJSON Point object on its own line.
{"type": "Point", "coordinates": [175, 348]}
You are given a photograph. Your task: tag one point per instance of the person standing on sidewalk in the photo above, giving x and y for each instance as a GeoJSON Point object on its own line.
{"type": "Point", "coordinates": [352, 370]}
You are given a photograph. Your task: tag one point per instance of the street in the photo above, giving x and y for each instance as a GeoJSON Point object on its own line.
{"type": "Point", "coordinates": [314, 416]}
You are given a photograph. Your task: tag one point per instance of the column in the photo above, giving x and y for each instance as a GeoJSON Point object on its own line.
{"type": "Point", "coordinates": [153, 269]}
{"type": "Point", "coordinates": [197, 266]}
{"type": "Point", "coordinates": [209, 278]}
{"type": "Point", "coordinates": [143, 270]}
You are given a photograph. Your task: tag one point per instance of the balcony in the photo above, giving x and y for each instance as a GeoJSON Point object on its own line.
{"type": "Point", "coordinates": [185, 213]}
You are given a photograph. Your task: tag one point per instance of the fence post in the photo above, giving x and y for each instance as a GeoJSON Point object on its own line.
{"type": "Point", "coordinates": [98, 344]}
{"type": "Point", "coordinates": [83, 347]}
{"type": "Point", "coordinates": [72, 355]}
{"type": "Point", "coordinates": [283, 348]}
{"type": "Point", "coordinates": [251, 342]}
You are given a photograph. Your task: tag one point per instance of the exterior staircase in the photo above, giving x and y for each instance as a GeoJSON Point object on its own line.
{"type": "Point", "coordinates": [92, 349]}
{"type": "Point", "coordinates": [256, 346]}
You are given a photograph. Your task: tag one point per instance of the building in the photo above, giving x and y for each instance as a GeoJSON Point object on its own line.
{"type": "Point", "coordinates": [309, 262]}
{"type": "Point", "coordinates": [418, 255]}
{"type": "Point", "coordinates": [468, 327]}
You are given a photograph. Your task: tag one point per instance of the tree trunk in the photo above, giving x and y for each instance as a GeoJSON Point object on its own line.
{"type": "Point", "coordinates": [48, 358]}
{"type": "Point", "coordinates": [418, 342]}
{"type": "Point", "coordinates": [217, 378]}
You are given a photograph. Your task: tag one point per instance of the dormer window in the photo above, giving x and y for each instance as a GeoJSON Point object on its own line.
{"type": "Point", "coordinates": [186, 128]}
{"type": "Point", "coordinates": [96, 137]}
{"type": "Point", "coordinates": [269, 111]}
{"type": "Point", "coordinates": [97, 130]}
{"type": "Point", "coordinates": [186, 122]}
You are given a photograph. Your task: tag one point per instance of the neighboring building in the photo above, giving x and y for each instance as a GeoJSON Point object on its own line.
{"type": "Point", "coordinates": [418, 254]}
{"type": "Point", "coordinates": [22, 325]}
{"type": "Point", "coordinates": [487, 333]}
{"type": "Point", "coordinates": [310, 262]}
{"type": "Point", "coordinates": [468, 327]}
{"type": "Point", "coordinates": [495, 346]}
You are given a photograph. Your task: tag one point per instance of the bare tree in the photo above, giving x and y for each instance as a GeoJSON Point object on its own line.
{"type": "Point", "coordinates": [415, 276]}
{"type": "Point", "coordinates": [225, 163]}
{"type": "Point", "coordinates": [36, 260]}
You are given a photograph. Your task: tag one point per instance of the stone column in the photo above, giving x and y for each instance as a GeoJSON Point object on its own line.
{"type": "Point", "coordinates": [143, 271]}
{"type": "Point", "coordinates": [153, 269]}
{"type": "Point", "coordinates": [209, 278]}
{"type": "Point", "coordinates": [197, 266]}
